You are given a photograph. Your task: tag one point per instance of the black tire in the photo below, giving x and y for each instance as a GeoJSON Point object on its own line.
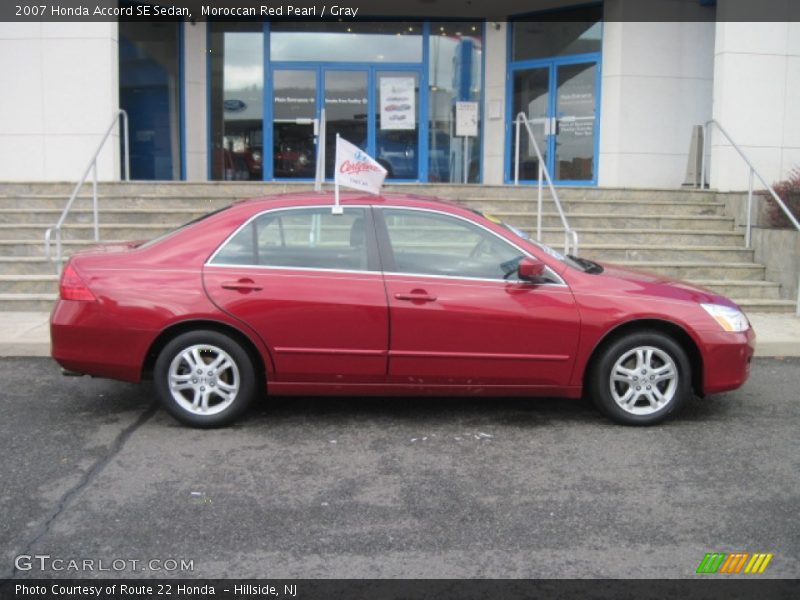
{"type": "Point", "coordinates": [222, 406]}
{"type": "Point", "coordinates": [605, 393]}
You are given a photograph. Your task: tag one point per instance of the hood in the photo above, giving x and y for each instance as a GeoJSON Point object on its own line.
{"type": "Point", "coordinates": [642, 282]}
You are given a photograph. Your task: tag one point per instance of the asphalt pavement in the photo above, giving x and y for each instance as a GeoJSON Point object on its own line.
{"type": "Point", "coordinates": [384, 488]}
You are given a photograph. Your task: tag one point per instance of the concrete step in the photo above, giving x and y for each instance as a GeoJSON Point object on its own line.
{"type": "Point", "coordinates": [35, 247]}
{"type": "Point", "coordinates": [26, 265]}
{"type": "Point", "coordinates": [47, 217]}
{"type": "Point", "coordinates": [527, 220]}
{"type": "Point", "coordinates": [555, 236]}
{"type": "Point", "coordinates": [204, 203]}
{"type": "Point", "coordinates": [256, 188]}
{"type": "Point", "coordinates": [29, 284]}
{"type": "Point", "coordinates": [756, 290]}
{"type": "Point", "coordinates": [698, 270]}
{"type": "Point", "coordinates": [749, 305]}
{"type": "Point", "coordinates": [85, 232]}
{"type": "Point", "coordinates": [26, 302]}
{"type": "Point", "coordinates": [632, 252]}
{"type": "Point", "coordinates": [143, 201]}
{"type": "Point", "coordinates": [574, 208]}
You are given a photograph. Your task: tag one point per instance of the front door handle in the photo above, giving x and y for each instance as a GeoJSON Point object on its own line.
{"type": "Point", "coordinates": [243, 285]}
{"type": "Point", "coordinates": [416, 296]}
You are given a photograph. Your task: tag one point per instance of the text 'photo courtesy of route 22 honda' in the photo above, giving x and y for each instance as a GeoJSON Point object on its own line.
{"type": "Point", "coordinates": [400, 295]}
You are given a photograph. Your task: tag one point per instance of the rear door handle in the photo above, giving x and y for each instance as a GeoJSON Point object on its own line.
{"type": "Point", "coordinates": [243, 285]}
{"type": "Point", "coordinates": [416, 297]}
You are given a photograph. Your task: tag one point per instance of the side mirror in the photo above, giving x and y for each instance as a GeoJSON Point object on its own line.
{"type": "Point", "coordinates": [530, 269]}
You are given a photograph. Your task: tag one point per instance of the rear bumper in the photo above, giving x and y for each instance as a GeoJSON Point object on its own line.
{"type": "Point", "coordinates": [727, 359]}
{"type": "Point", "coordinates": [85, 340]}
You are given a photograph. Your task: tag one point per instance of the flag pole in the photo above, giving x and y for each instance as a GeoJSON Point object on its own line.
{"type": "Point", "coordinates": [337, 209]}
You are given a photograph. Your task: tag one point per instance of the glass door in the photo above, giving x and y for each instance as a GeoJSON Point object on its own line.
{"type": "Point", "coordinates": [531, 96]}
{"type": "Point", "coordinates": [559, 97]}
{"type": "Point", "coordinates": [575, 116]}
{"type": "Point", "coordinates": [346, 111]}
{"type": "Point", "coordinates": [396, 123]}
{"type": "Point", "coordinates": [374, 108]}
{"type": "Point", "coordinates": [294, 110]}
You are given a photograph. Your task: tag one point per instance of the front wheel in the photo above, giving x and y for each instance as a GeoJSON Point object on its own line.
{"type": "Point", "coordinates": [204, 379]}
{"type": "Point", "coordinates": [641, 378]}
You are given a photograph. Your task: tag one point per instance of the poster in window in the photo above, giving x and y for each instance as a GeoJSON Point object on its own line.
{"type": "Point", "coordinates": [398, 103]}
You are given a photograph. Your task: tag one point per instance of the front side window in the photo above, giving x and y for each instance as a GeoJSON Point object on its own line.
{"type": "Point", "coordinates": [308, 238]}
{"type": "Point", "coordinates": [431, 243]}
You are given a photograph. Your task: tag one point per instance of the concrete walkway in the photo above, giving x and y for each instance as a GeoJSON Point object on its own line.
{"type": "Point", "coordinates": [28, 334]}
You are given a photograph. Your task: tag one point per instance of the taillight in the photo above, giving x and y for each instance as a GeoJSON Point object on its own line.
{"type": "Point", "coordinates": [72, 287]}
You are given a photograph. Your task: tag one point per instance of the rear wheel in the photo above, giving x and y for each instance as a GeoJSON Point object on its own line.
{"type": "Point", "coordinates": [641, 378]}
{"type": "Point", "coordinates": [204, 379]}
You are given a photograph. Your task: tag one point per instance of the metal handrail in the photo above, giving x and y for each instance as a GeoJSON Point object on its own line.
{"type": "Point", "coordinates": [570, 235]}
{"type": "Point", "coordinates": [48, 235]}
{"type": "Point", "coordinates": [753, 171]}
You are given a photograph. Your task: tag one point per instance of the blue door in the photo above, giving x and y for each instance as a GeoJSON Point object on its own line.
{"type": "Point", "coordinates": [560, 100]}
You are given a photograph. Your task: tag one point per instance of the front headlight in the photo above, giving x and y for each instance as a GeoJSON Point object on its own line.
{"type": "Point", "coordinates": [730, 319]}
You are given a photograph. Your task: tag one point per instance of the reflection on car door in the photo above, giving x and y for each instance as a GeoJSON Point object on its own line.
{"type": "Point", "coordinates": [455, 319]}
{"type": "Point", "coordinates": [308, 282]}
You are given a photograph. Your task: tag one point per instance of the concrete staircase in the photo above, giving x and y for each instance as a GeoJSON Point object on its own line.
{"type": "Point", "coordinates": [683, 234]}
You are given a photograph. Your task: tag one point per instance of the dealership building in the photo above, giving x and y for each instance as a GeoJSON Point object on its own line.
{"type": "Point", "coordinates": [612, 102]}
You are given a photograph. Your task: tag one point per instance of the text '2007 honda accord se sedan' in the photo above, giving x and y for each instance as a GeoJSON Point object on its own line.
{"type": "Point", "coordinates": [398, 295]}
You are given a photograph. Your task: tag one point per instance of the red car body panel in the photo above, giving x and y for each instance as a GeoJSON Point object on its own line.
{"type": "Point", "coordinates": [320, 326]}
{"type": "Point", "coordinates": [368, 332]}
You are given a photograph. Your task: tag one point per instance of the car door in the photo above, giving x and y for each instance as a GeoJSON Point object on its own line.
{"type": "Point", "coordinates": [455, 319]}
{"type": "Point", "coordinates": [308, 282]}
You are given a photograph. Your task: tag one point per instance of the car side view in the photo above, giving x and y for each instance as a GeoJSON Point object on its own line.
{"type": "Point", "coordinates": [399, 295]}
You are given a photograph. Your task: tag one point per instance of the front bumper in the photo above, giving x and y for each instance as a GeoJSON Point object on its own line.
{"type": "Point", "coordinates": [727, 358]}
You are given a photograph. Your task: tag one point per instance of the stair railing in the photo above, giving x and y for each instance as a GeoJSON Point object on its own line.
{"type": "Point", "coordinates": [55, 230]}
{"type": "Point", "coordinates": [570, 235]}
{"type": "Point", "coordinates": [752, 172]}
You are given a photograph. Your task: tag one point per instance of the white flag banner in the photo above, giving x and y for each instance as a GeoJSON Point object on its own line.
{"type": "Point", "coordinates": [356, 169]}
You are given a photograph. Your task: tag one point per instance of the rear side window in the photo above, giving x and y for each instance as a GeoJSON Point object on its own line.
{"type": "Point", "coordinates": [308, 238]}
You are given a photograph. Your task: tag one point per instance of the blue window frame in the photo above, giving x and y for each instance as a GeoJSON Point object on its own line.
{"type": "Point", "coordinates": [553, 115]}
{"type": "Point", "coordinates": [418, 70]}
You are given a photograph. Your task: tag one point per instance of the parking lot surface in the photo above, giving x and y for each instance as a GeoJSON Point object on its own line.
{"type": "Point", "coordinates": [413, 488]}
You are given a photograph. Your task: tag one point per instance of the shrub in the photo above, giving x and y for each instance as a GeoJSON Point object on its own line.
{"type": "Point", "coordinates": [789, 192]}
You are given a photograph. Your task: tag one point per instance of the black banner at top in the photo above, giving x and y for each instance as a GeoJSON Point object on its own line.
{"type": "Point", "coordinates": [344, 10]}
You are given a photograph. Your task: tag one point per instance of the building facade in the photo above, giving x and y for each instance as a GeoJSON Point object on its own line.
{"type": "Point", "coordinates": [610, 102]}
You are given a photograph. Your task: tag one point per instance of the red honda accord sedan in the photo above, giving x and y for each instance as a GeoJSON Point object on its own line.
{"type": "Point", "coordinates": [399, 295]}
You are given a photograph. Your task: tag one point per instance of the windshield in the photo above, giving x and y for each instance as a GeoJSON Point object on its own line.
{"type": "Point", "coordinates": [164, 236]}
{"type": "Point", "coordinates": [581, 264]}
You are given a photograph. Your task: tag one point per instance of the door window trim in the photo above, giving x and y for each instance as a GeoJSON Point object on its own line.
{"type": "Point", "coordinates": [373, 256]}
{"type": "Point", "coordinates": [387, 252]}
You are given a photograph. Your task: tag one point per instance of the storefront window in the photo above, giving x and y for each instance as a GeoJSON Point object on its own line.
{"type": "Point", "coordinates": [237, 101]}
{"type": "Point", "coordinates": [392, 42]}
{"type": "Point", "coordinates": [573, 31]}
{"type": "Point", "coordinates": [454, 75]}
{"type": "Point", "coordinates": [149, 92]}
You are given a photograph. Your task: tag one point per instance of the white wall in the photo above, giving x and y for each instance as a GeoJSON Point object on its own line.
{"type": "Point", "coordinates": [495, 102]}
{"type": "Point", "coordinates": [59, 92]}
{"type": "Point", "coordinates": [757, 100]}
{"type": "Point", "coordinates": [195, 98]}
{"type": "Point", "coordinates": [657, 83]}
